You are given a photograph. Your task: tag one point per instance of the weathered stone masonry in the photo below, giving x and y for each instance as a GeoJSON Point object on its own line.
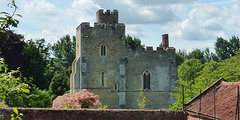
{"type": "Point", "coordinates": [92, 114]}
{"type": "Point", "coordinates": [106, 67]}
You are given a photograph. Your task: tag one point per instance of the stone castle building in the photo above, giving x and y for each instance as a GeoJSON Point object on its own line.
{"type": "Point", "coordinates": [106, 67]}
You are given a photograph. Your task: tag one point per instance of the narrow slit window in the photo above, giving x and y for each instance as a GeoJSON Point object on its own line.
{"type": "Point", "coordinates": [103, 50]}
{"type": "Point", "coordinates": [102, 79]}
{"type": "Point", "coordinates": [116, 86]}
{"type": "Point", "coordinates": [146, 80]}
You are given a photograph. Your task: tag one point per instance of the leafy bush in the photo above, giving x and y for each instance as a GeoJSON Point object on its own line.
{"type": "Point", "coordinates": [81, 99]}
{"type": "Point", "coordinates": [11, 86]}
{"type": "Point", "coordinates": [103, 107]}
{"type": "Point", "coordinates": [2, 105]}
{"type": "Point", "coordinates": [16, 115]}
{"type": "Point", "coordinates": [39, 99]}
{"type": "Point", "coordinates": [141, 100]}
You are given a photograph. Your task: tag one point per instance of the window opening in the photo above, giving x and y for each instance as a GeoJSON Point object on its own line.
{"type": "Point", "coordinates": [116, 86]}
{"type": "Point", "coordinates": [102, 79]}
{"type": "Point", "coordinates": [146, 80]}
{"type": "Point", "coordinates": [103, 50]}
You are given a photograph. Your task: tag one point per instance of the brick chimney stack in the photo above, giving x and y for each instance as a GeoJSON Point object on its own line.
{"type": "Point", "coordinates": [165, 42]}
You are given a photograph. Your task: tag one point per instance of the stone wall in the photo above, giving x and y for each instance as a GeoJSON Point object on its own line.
{"type": "Point", "coordinates": [92, 114]}
{"type": "Point", "coordinates": [117, 75]}
{"type": "Point", "coordinates": [91, 40]}
{"type": "Point", "coordinates": [155, 99]}
{"type": "Point", "coordinates": [162, 66]}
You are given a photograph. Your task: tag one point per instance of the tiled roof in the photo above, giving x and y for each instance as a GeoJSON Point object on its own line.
{"type": "Point", "coordinates": [219, 101]}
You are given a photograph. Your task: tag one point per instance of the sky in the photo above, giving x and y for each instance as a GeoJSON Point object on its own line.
{"type": "Point", "coordinates": [190, 24]}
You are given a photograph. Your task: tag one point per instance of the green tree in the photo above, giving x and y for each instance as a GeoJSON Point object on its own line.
{"type": "Point", "coordinates": [12, 44]}
{"type": "Point", "coordinates": [8, 20]}
{"type": "Point", "coordinates": [223, 48]}
{"type": "Point", "coordinates": [179, 59]}
{"type": "Point", "coordinates": [38, 99]}
{"type": "Point", "coordinates": [235, 44]}
{"type": "Point", "coordinates": [187, 72]}
{"type": "Point", "coordinates": [13, 91]}
{"type": "Point", "coordinates": [38, 55]}
{"type": "Point", "coordinates": [202, 55]}
{"type": "Point", "coordinates": [133, 43]}
{"type": "Point", "coordinates": [12, 50]}
{"type": "Point", "coordinates": [208, 56]}
{"type": "Point", "coordinates": [11, 87]}
{"type": "Point", "coordinates": [64, 50]}
{"type": "Point", "coordinates": [60, 82]}
{"type": "Point", "coordinates": [197, 54]}
{"type": "Point", "coordinates": [64, 54]}
{"type": "Point", "coordinates": [204, 75]}
{"type": "Point", "coordinates": [181, 55]}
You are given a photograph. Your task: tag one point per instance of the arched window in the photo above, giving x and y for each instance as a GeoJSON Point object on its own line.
{"type": "Point", "coordinates": [146, 80]}
{"type": "Point", "coordinates": [103, 50]}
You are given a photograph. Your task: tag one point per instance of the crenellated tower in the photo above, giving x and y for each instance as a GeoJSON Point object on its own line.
{"type": "Point", "coordinates": [107, 17]}
{"type": "Point", "coordinates": [106, 67]}
{"type": "Point", "coordinates": [100, 49]}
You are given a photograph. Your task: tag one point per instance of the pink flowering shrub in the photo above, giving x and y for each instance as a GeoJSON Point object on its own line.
{"type": "Point", "coordinates": [81, 99]}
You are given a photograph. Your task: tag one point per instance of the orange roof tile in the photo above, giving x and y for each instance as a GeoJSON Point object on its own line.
{"type": "Point", "coordinates": [219, 100]}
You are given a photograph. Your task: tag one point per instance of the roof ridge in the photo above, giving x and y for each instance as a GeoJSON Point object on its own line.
{"type": "Point", "coordinates": [208, 88]}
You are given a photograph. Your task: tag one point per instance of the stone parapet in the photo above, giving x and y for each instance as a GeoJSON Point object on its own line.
{"type": "Point", "coordinates": [94, 114]}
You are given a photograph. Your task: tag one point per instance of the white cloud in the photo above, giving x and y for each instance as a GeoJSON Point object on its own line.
{"type": "Point", "coordinates": [161, 2]}
{"type": "Point", "coordinates": [2, 1]}
{"type": "Point", "coordinates": [145, 14]}
{"type": "Point", "coordinates": [85, 10]}
{"type": "Point", "coordinates": [235, 1]}
{"type": "Point", "coordinates": [207, 22]}
{"type": "Point", "coordinates": [40, 8]}
{"type": "Point", "coordinates": [51, 22]}
{"type": "Point", "coordinates": [84, 4]}
{"type": "Point", "coordinates": [50, 36]}
{"type": "Point", "coordinates": [134, 30]}
{"type": "Point", "coordinates": [187, 21]}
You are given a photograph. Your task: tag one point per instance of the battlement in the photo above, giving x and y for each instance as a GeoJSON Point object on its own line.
{"type": "Point", "coordinates": [163, 47]}
{"type": "Point", "coordinates": [149, 48]}
{"type": "Point", "coordinates": [85, 24]}
{"type": "Point", "coordinates": [159, 49]}
{"type": "Point", "coordinates": [107, 17]}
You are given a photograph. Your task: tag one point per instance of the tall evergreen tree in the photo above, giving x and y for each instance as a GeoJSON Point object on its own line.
{"type": "Point", "coordinates": [223, 48]}
{"type": "Point", "coordinates": [64, 54]}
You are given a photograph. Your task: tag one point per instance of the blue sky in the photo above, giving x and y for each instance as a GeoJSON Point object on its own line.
{"type": "Point", "coordinates": [190, 23]}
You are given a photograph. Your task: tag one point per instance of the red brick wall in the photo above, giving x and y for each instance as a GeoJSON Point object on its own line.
{"type": "Point", "coordinates": [94, 114]}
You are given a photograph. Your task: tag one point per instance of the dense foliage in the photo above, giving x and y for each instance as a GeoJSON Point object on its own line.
{"type": "Point", "coordinates": [197, 76]}
{"type": "Point", "coordinates": [12, 44]}
{"type": "Point", "coordinates": [81, 99]}
{"type": "Point", "coordinates": [31, 63]}
{"type": "Point", "coordinates": [38, 57]}
{"type": "Point", "coordinates": [133, 43]}
{"type": "Point", "coordinates": [11, 86]}
{"type": "Point", "coordinates": [64, 54]}
{"type": "Point", "coordinates": [226, 49]}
